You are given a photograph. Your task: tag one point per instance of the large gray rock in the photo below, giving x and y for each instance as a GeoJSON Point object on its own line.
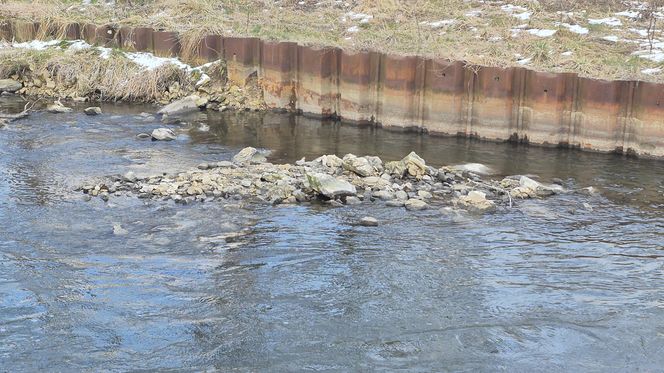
{"type": "Point", "coordinates": [162, 134]}
{"type": "Point", "coordinates": [395, 168]}
{"type": "Point", "coordinates": [358, 165]}
{"type": "Point", "coordinates": [330, 186]}
{"type": "Point", "coordinates": [10, 85]}
{"type": "Point", "coordinates": [185, 105]}
{"type": "Point", "coordinates": [331, 161]}
{"type": "Point", "coordinates": [249, 155]}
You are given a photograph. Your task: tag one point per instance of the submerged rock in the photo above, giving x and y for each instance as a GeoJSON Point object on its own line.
{"type": "Point", "coordinates": [93, 110]}
{"type": "Point", "coordinates": [330, 186]}
{"type": "Point", "coordinates": [476, 168]}
{"type": "Point", "coordinates": [162, 134]}
{"type": "Point", "coordinates": [10, 85]}
{"type": "Point", "coordinates": [369, 221]}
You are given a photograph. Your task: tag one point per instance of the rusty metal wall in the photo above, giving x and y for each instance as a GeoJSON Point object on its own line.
{"type": "Point", "coordinates": [433, 95]}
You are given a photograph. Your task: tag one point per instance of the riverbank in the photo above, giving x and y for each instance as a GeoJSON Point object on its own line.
{"type": "Point", "coordinates": [611, 40]}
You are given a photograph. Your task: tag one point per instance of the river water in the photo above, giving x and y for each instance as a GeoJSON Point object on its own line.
{"type": "Point", "coordinates": [551, 285]}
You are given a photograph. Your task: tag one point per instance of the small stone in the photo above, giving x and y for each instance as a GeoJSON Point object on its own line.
{"type": "Point", "coordinates": [369, 221]}
{"type": "Point", "coordinates": [143, 136]}
{"type": "Point", "coordinates": [246, 183]}
{"type": "Point", "coordinates": [162, 134]}
{"type": "Point", "coordinates": [249, 155]}
{"type": "Point", "coordinates": [130, 177]}
{"type": "Point", "coordinates": [93, 110]}
{"type": "Point", "coordinates": [58, 108]}
{"type": "Point", "coordinates": [424, 194]}
{"type": "Point", "coordinates": [395, 203]}
{"type": "Point", "coordinates": [401, 195]}
{"type": "Point", "coordinates": [225, 164]}
{"type": "Point", "coordinates": [383, 195]}
{"type": "Point", "coordinates": [203, 166]}
{"type": "Point", "coordinates": [415, 205]}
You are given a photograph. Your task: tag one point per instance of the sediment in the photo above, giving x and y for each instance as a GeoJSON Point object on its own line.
{"type": "Point", "coordinates": [431, 95]}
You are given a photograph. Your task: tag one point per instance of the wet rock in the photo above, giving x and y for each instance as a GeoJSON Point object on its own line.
{"type": "Point", "coordinates": [58, 108]}
{"type": "Point", "coordinates": [162, 134]}
{"type": "Point", "coordinates": [185, 105]}
{"type": "Point", "coordinates": [401, 195]}
{"type": "Point", "coordinates": [10, 85]}
{"type": "Point", "coordinates": [143, 136]}
{"type": "Point", "coordinates": [249, 155]}
{"type": "Point", "coordinates": [93, 110]}
{"type": "Point", "coordinates": [330, 186]}
{"type": "Point", "coordinates": [383, 195]}
{"type": "Point", "coordinates": [203, 166]}
{"type": "Point", "coordinates": [369, 221]}
{"type": "Point", "coordinates": [476, 200]}
{"type": "Point", "coordinates": [225, 164]}
{"type": "Point", "coordinates": [352, 200]}
{"type": "Point", "coordinates": [395, 203]}
{"type": "Point", "coordinates": [415, 205]}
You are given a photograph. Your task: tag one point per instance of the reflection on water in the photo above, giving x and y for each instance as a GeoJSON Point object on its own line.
{"type": "Point", "coordinates": [250, 287]}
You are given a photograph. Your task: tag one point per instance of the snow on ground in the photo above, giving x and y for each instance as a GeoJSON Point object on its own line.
{"type": "Point", "coordinates": [574, 28]}
{"type": "Point", "coordinates": [610, 21]}
{"type": "Point", "coordinates": [36, 44]}
{"type": "Point", "coordinates": [651, 71]}
{"type": "Point", "coordinates": [438, 24]}
{"type": "Point", "coordinates": [542, 33]}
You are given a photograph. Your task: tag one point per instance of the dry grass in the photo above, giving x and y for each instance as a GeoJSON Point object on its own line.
{"type": "Point", "coordinates": [397, 26]}
{"type": "Point", "coordinates": [84, 74]}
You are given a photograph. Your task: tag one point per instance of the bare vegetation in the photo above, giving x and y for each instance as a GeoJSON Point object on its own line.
{"type": "Point", "coordinates": [479, 32]}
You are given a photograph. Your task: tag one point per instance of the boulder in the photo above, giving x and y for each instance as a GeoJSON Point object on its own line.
{"type": "Point", "coordinates": [162, 134]}
{"type": "Point", "coordinates": [10, 85]}
{"type": "Point", "coordinates": [249, 155]}
{"type": "Point", "coordinates": [415, 205]}
{"type": "Point", "coordinates": [185, 105]}
{"type": "Point", "coordinates": [93, 110]}
{"type": "Point", "coordinates": [358, 165]}
{"type": "Point", "coordinates": [330, 186]}
{"type": "Point", "coordinates": [538, 188]}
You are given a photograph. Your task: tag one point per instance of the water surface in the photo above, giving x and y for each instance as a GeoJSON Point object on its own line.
{"type": "Point", "coordinates": [550, 285]}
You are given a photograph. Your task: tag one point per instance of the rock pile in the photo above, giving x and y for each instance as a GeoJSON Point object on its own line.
{"type": "Point", "coordinates": [409, 183]}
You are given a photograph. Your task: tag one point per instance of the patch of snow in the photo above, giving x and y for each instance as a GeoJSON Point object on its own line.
{"type": "Point", "coordinates": [653, 71]}
{"type": "Point", "coordinates": [654, 55]}
{"type": "Point", "coordinates": [643, 33]}
{"type": "Point", "coordinates": [474, 13]}
{"type": "Point", "coordinates": [361, 17]}
{"type": "Point", "coordinates": [524, 61]}
{"type": "Point", "coordinates": [79, 45]}
{"type": "Point", "coordinates": [36, 44]}
{"type": "Point", "coordinates": [611, 21]}
{"type": "Point", "coordinates": [574, 28]}
{"type": "Point", "coordinates": [353, 29]}
{"type": "Point", "coordinates": [150, 62]}
{"type": "Point", "coordinates": [611, 38]}
{"type": "Point", "coordinates": [567, 54]}
{"type": "Point", "coordinates": [629, 14]}
{"type": "Point", "coordinates": [542, 33]}
{"type": "Point", "coordinates": [438, 24]}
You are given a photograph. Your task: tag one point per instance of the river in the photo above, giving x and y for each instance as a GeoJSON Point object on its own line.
{"type": "Point", "coordinates": [550, 285]}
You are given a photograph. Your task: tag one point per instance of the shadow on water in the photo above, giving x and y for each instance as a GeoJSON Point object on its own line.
{"type": "Point", "coordinates": [235, 285]}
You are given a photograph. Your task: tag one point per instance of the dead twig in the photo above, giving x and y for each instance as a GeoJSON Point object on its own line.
{"type": "Point", "coordinates": [6, 118]}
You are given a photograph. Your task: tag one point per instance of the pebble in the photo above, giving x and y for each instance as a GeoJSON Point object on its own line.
{"type": "Point", "coordinates": [369, 221]}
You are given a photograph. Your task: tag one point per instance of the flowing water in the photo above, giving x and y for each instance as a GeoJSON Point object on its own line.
{"type": "Point", "coordinates": [550, 285]}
